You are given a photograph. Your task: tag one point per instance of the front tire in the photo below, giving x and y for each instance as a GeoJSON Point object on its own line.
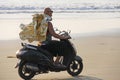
{"type": "Point", "coordinates": [24, 72]}
{"type": "Point", "coordinates": [75, 67]}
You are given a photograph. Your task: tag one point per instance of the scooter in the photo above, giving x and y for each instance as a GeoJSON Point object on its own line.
{"type": "Point", "coordinates": [33, 60]}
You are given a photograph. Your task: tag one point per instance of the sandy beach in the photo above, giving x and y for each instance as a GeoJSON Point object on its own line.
{"type": "Point", "coordinates": [98, 49]}
{"type": "Point", "coordinates": [100, 58]}
{"type": "Point", "coordinates": [95, 32]}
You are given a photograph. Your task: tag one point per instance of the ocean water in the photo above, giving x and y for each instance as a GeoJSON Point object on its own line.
{"type": "Point", "coordinates": [30, 6]}
{"type": "Point", "coordinates": [79, 16]}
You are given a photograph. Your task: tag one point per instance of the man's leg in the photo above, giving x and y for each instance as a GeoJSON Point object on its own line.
{"type": "Point", "coordinates": [57, 59]}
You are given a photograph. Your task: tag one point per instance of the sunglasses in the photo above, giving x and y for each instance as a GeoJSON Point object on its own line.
{"type": "Point", "coordinates": [50, 11]}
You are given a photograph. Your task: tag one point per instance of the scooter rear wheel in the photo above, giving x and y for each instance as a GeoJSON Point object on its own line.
{"type": "Point", "coordinates": [75, 67]}
{"type": "Point", "coordinates": [24, 72]}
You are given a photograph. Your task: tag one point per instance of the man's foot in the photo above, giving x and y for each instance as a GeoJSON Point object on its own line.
{"type": "Point", "coordinates": [59, 65]}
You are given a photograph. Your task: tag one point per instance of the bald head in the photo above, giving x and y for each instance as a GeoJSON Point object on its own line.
{"type": "Point", "coordinates": [48, 11]}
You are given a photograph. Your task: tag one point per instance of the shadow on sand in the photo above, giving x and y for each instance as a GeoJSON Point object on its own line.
{"type": "Point", "coordinates": [74, 78]}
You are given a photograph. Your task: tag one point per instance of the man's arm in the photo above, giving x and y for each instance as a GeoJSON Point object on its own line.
{"type": "Point", "coordinates": [53, 33]}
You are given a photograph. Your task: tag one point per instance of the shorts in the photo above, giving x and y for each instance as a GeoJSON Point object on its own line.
{"type": "Point", "coordinates": [55, 47]}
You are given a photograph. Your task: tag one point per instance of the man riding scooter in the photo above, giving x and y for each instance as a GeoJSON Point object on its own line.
{"type": "Point", "coordinates": [48, 42]}
{"type": "Point", "coordinates": [34, 60]}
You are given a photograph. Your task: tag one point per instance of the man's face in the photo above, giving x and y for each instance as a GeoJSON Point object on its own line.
{"type": "Point", "coordinates": [49, 12]}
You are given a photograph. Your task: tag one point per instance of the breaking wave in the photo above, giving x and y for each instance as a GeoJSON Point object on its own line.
{"type": "Point", "coordinates": [76, 6]}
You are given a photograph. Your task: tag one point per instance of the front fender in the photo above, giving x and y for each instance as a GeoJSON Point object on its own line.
{"type": "Point", "coordinates": [78, 58]}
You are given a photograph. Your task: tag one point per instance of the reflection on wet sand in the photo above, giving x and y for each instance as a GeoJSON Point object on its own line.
{"type": "Point", "coordinates": [74, 78]}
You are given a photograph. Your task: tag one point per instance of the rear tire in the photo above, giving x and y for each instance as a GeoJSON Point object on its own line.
{"type": "Point", "coordinates": [75, 67]}
{"type": "Point", "coordinates": [24, 72]}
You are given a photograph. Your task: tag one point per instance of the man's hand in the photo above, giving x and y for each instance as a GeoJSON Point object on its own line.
{"type": "Point", "coordinates": [67, 37]}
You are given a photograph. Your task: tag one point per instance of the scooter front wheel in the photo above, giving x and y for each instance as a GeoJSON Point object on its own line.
{"type": "Point", "coordinates": [24, 72]}
{"type": "Point", "coordinates": [75, 67]}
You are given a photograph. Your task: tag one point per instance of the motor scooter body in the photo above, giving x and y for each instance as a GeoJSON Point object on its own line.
{"type": "Point", "coordinates": [34, 60]}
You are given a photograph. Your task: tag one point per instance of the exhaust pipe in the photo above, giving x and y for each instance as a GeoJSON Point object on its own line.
{"type": "Point", "coordinates": [32, 66]}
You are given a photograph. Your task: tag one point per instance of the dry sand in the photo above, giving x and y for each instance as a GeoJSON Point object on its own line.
{"type": "Point", "coordinates": [100, 58]}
